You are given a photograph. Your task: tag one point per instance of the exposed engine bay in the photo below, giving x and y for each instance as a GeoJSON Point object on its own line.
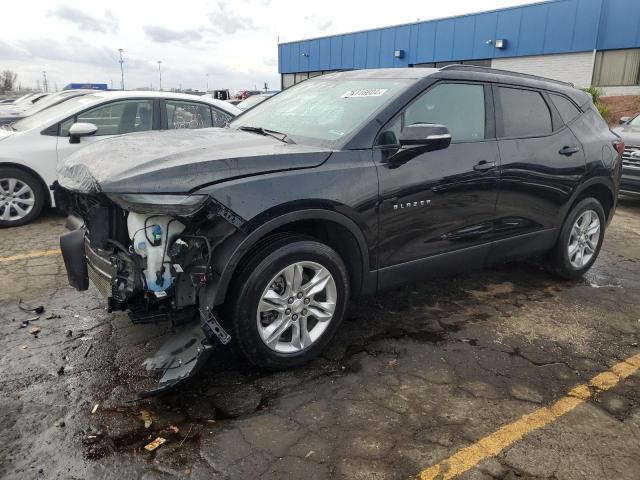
{"type": "Point", "coordinates": [157, 266]}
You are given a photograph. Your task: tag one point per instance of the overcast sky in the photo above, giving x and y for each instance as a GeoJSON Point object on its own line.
{"type": "Point", "coordinates": [235, 42]}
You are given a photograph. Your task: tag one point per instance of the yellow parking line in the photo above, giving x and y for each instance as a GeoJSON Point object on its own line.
{"type": "Point", "coordinates": [491, 445]}
{"type": "Point", "coordinates": [24, 256]}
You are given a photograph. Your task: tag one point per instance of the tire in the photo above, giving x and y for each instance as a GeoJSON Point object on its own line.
{"type": "Point", "coordinates": [263, 273]}
{"type": "Point", "coordinates": [569, 266]}
{"type": "Point", "coordinates": [16, 210]}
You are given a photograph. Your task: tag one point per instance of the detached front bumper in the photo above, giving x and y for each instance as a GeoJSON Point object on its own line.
{"type": "Point", "coordinates": [186, 349]}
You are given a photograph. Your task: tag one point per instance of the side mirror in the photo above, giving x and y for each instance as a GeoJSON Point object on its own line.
{"type": "Point", "coordinates": [625, 120]}
{"type": "Point", "coordinates": [79, 130]}
{"type": "Point", "coordinates": [426, 136]}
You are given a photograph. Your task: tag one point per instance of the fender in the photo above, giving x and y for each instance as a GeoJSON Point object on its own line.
{"type": "Point", "coordinates": [605, 182]}
{"type": "Point", "coordinates": [221, 287]}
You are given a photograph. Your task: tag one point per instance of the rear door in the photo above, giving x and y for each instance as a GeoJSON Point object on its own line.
{"type": "Point", "coordinates": [542, 163]}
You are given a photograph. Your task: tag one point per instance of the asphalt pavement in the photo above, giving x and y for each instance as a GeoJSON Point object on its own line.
{"type": "Point", "coordinates": [499, 374]}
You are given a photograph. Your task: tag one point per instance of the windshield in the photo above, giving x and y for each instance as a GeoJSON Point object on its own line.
{"type": "Point", "coordinates": [49, 101]}
{"type": "Point", "coordinates": [39, 119]}
{"type": "Point", "coordinates": [322, 111]}
{"type": "Point", "coordinates": [635, 121]}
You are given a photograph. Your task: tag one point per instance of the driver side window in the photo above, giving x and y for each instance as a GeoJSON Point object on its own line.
{"type": "Point", "coordinates": [115, 118]}
{"type": "Point", "coordinates": [458, 106]}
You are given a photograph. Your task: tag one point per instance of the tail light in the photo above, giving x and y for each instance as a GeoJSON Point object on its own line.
{"type": "Point", "coordinates": [619, 146]}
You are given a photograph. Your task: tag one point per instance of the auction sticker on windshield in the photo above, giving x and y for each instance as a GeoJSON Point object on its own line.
{"type": "Point", "coordinates": [369, 92]}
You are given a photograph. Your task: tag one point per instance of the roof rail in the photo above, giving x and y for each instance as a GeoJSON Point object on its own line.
{"type": "Point", "coordinates": [504, 72]}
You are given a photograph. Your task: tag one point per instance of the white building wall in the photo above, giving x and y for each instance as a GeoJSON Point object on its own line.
{"type": "Point", "coordinates": [619, 91]}
{"type": "Point", "coordinates": [576, 68]}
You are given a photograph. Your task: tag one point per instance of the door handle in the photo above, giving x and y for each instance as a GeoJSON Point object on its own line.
{"type": "Point", "coordinates": [484, 165]}
{"type": "Point", "coordinates": [568, 151]}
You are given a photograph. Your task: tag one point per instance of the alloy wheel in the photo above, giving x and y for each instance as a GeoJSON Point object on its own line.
{"type": "Point", "coordinates": [584, 239]}
{"type": "Point", "coordinates": [16, 199]}
{"type": "Point", "coordinates": [296, 307]}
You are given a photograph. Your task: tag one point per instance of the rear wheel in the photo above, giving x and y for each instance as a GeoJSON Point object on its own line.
{"type": "Point", "coordinates": [288, 301]}
{"type": "Point", "coordinates": [580, 240]}
{"type": "Point", "coordinates": [21, 197]}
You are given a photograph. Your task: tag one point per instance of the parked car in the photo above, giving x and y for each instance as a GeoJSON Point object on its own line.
{"type": "Point", "coordinates": [242, 94]}
{"type": "Point", "coordinates": [31, 148]}
{"type": "Point", "coordinates": [338, 187]}
{"type": "Point", "coordinates": [23, 103]}
{"type": "Point", "coordinates": [253, 100]}
{"type": "Point", "coordinates": [629, 131]}
{"type": "Point", "coordinates": [49, 101]}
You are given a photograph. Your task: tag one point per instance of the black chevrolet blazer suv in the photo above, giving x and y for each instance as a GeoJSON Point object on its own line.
{"type": "Point", "coordinates": [343, 185]}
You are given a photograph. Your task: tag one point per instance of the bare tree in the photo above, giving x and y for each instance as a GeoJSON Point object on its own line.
{"type": "Point", "coordinates": [7, 80]}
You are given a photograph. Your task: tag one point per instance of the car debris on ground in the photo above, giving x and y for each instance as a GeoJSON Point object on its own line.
{"type": "Point", "coordinates": [27, 308]}
{"type": "Point", "coordinates": [146, 417]}
{"type": "Point", "coordinates": [155, 444]}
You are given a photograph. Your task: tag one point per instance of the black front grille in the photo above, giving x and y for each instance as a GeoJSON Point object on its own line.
{"type": "Point", "coordinates": [631, 157]}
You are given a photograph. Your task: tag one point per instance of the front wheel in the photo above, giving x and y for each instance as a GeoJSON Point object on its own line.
{"type": "Point", "coordinates": [580, 240]}
{"type": "Point", "coordinates": [21, 197]}
{"type": "Point", "coordinates": [288, 301]}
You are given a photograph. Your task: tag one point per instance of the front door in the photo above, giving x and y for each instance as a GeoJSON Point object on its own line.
{"type": "Point", "coordinates": [442, 201]}
{"type": "Point", "coordinates": [114, 118]}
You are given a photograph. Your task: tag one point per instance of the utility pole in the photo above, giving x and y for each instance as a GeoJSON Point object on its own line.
{"type": "Point", "coordinates": [207, 90]}
{"type": "Point", "coordinates": [160, 74]}
{"type": "Point", "coordinates": [44, 81]}
{"type": "Point", "coordinates": [121, 68]}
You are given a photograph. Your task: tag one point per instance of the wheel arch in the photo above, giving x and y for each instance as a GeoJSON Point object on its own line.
{"type": "Point", "coordinates": [24, 168]}
{"type": "Point", "coordinates": [599, 189]}
{"type": "Point", "coordinates": [335, 229]}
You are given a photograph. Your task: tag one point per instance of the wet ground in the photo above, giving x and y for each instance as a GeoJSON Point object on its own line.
{"type": "Point", "coordinates": [412, 377]}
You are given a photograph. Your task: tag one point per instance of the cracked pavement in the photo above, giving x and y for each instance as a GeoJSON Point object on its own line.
{"type": "Point", "coordinates": [412, 376]}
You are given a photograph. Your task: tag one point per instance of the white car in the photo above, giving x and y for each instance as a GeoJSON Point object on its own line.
{"type": "Point", "coordinates": [23, 102]}
{"type": "Point", "coordinates": [10, 116]}
{"type": "Point", "coordinates": [31, 148]}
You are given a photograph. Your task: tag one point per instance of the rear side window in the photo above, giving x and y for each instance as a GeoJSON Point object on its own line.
{"type": "Point", "coordinates": [568, 111]}
{"type": "Point", "coordinates": [524, 113]}
{"type": "Point", "coordinates": [189, 115]}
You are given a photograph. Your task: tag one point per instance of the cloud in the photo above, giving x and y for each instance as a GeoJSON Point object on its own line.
{"type": "Point", "coordinates": [165, 35]}
{"type": "Point", "coordinates": [73, 49]}
{"type": "Point", "coordinates": [228, 22]}
{"type": "Point", "coordinates": [85, 22]}
{"type": "Point", "coordinates": [324, 25]}
{"type": "Point", "coordinates": [10, 52]}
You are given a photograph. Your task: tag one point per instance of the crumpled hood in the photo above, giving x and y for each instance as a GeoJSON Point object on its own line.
{"type": "Point", "coordinates": [180, 161]}
{"type": "Point", "coordinates": [630, 134]}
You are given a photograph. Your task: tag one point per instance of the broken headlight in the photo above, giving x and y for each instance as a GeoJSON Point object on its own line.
{"type": "Point", "coordinates": [161, 204]}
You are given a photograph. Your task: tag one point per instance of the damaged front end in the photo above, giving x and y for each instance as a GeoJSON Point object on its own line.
{"type": "Point", "coordinates": [153, 256]}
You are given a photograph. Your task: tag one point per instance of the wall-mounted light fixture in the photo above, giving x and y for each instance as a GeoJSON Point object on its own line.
{"type": "Point", "coordinates": [305, 54]}
{"type": "Point", "coordinates": [398, 54]}
{"type": "Point", "coordinates": [489, 42]}
{"type": "Point", "coordinates": [501, 43]}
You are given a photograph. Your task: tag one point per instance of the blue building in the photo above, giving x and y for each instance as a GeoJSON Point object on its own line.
{"type": "Point", "coordinates": [89, 86]}
{"type": "Point", "coordinates": [585, 42]}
